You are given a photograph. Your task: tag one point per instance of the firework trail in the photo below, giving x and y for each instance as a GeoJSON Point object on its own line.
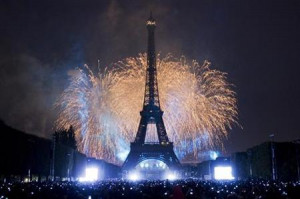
{"type": "Point", "coordinates": [198, 103]}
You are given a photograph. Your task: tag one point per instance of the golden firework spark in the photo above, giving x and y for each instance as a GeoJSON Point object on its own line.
{"type": "Point", "coordinates": [198, 103]}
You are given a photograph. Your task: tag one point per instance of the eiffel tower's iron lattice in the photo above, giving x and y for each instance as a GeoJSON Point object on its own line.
{"type": "Point", "coordinates": [151, 114]}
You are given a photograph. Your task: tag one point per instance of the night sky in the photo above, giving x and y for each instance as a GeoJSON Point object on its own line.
{"type": "Point", "coordinates": [257, 42]}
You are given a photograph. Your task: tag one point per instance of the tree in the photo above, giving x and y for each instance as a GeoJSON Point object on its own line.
{"type": "Point", "coordinates": [66, 137]}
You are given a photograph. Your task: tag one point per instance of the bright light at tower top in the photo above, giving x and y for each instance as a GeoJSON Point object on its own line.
{"type": "Point", "coordinates": [151, 21]}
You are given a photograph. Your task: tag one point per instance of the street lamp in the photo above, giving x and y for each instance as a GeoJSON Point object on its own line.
{"type": "Point", "coordinates": [273, 156]}
{"type": "Point", "coordinates": [297, 144]}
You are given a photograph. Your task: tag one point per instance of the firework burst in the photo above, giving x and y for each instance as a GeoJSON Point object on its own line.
{"type": "Point", "coordinates": [198, 103]}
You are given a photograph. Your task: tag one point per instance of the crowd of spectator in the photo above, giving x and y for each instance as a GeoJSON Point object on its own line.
{"type": "Point", "coordinates": [178, 189]}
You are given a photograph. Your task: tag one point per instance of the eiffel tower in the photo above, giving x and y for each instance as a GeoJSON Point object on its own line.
{"type": "Point", "coordinates": [151, 114]}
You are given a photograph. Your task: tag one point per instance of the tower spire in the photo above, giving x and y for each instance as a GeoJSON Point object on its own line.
{"type": "Point", "coordinates": [151, 112]}
{"type": "Point", "coordinates": [150, 15]}
{"type": "Point", "coordinates": [151, 97]}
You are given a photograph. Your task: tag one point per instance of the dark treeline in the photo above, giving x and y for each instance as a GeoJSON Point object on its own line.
{"type": "Point", "coordinates": [66, 137]}
{"type": "Point", "coordinates": [28, 157]}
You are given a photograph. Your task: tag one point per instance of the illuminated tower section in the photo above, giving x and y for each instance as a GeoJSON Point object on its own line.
{"type": "Point", "coordinates": [151, 114]}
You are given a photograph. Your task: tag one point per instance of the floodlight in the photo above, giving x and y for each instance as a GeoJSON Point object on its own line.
{"type": "Point", "coordinates": [134, 176]}
{"type": "Point", "coordinates": [171, 176]}
{"type": "Point", "coordinates": [223, 173]}
{"type": "Point", "coordinates": [213, 155]}
{"type": "Point", "coordinates": [91, 174]}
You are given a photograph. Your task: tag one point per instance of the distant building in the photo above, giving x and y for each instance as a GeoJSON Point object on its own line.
{"type": "Point", "coordinates": [240, 165]}
{"type": "Point", "coordinates": [283, 163]}
{"type": "Point", "coordinates": [269, 160]}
